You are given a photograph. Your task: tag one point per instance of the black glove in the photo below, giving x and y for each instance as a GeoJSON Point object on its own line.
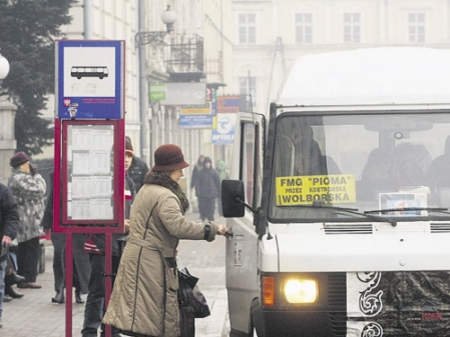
{"type": "Point", "coordinates": [32, 170]}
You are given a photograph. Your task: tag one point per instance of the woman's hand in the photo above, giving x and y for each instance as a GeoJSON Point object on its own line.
{"type": "Point", "coordinates": [224, 230]}
{"type": "Point", "coordinates": [126, 225]}
{"type": "Point", "coordinates": [6, 241]}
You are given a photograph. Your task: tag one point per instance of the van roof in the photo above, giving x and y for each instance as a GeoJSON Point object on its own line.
{"type": "Point", "coordinates": [385, 75]}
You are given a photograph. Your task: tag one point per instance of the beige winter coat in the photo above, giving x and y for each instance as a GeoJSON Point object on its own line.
{"type": "Point", "coordinates": [144, 298]}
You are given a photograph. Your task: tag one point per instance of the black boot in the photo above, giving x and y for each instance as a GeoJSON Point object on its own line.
{"type": "Point", "coordinates": [9, 290]}
{"type": "Point", "coordinates": [59, 297]}
{"type": "Point", "coordinates": [14, 278]}
{"type": "Point", "coordinates": [78, 298]}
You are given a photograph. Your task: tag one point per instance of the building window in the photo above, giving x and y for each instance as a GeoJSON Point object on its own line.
{"type": "Point", "coordinates": [352, 27]}
{"type": "Point", "coordinates": [247, 90]}
{"type": "Point", "coordinates": [303, 27]}
{"type": "Point", "coordinates": [416, 23]}
{"type": "Point", "coordinates": [247, 28]}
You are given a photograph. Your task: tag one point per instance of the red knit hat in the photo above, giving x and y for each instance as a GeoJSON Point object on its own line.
{"type": "Point", "coordinates": [169, 157]}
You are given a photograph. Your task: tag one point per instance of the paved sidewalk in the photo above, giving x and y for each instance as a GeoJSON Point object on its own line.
{"type": "Point", "coordinates": [35, 316]}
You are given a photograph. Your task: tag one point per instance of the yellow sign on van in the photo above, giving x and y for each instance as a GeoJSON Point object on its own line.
{"type": "Point", "coordinates": [304, 190]}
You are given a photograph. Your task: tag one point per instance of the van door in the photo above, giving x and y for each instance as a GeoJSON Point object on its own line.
{"type": "Point", "coordinates": [241, 250]}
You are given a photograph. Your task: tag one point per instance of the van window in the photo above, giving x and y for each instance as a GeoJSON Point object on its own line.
{"type": "Point", "coordinates": [247, 169]}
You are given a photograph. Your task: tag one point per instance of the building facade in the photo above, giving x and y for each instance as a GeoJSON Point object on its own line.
{"type": "Point", "coordinates": [195, 54]}
{"type": "Point", "coordinates": [269, 35]}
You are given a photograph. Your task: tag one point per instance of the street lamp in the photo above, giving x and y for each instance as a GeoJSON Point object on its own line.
{"type": "Point", "coordinates": [168, 17]}
{"type": "Point", "coordinates": [7, 113]}
{"type": "Point", "coordinates": [141, 39]}
{"type": "Point", "coordinates": [4, 68]}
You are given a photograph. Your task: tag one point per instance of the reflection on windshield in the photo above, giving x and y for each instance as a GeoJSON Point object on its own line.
{"type": "Point", "coordinates": [372, 161]}
{"type": "Point", "coordinates": [301, 153]}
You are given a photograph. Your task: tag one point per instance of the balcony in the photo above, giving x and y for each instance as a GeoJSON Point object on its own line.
{"type": "Point", "coordinates": [185, 61]}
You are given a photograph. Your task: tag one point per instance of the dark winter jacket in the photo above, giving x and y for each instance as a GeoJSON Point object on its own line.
{"type": "Point", "coordinates": [137, 171]}
{"type": "Point", "coordinates": [8, 213]}
{"type": "Point", "coordinates": [208, 183]}
{"type": "Point", "coordinates": [47, 218]}
{"type": "Point", "coordinates": [194, 179]}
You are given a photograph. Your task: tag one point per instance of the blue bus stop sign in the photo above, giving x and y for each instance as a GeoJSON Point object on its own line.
{"type": "Point", "coordinates": [89, 81]}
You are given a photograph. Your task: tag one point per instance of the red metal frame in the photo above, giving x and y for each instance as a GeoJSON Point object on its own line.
{"type": "Point", "coordinates": [57, 177]}
{"type": "Point", "coordinates": [106, 227]}
{"type": "Point", "coordinates": [89, 226]}
{"type": "Point", "coordinates": [115, 225]}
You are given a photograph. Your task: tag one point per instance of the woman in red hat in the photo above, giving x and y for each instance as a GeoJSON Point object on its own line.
{"type": "Point", "coordinates": [144, 299]}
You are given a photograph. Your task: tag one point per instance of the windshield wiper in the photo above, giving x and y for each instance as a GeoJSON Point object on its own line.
{"type": "Point", "coordinates": [405, 209]}
{"type": "Point", "coordinates": [409, 209]}
{"type": "Point", "coordinates": [355, 211]}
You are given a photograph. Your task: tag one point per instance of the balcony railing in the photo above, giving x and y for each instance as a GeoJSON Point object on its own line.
{"type": "Point", "coordinates": [185, 61]}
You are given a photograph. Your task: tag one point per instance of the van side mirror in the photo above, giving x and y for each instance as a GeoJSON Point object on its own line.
{"type": "Point", "coordinates": [233, 205]}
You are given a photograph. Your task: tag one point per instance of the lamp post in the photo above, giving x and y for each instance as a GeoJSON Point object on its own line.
{"type": "Point", "coordinates": [143, 38]}
{"type": "Point", "coordinates": [7, 113]}
{"type": "Point", "coordinates": [4, 68]}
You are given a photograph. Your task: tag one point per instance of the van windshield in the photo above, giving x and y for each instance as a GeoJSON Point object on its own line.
{"type": "Point", "coordinates": [397, 162]}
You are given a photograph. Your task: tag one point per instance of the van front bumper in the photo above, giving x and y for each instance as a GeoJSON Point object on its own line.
{"type": "Point", "coordinates": [303, 324]}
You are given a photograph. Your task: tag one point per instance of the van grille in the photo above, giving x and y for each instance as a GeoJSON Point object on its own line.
{"type": "Point", "coordinates": [336, 229]}
{"type": "Point", "coordinates": [440, 228]}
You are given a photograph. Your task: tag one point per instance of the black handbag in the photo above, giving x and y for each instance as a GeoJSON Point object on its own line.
{"type": "Point", "coordinates": [190, 296]}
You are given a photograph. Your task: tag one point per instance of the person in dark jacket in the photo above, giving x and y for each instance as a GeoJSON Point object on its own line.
{"type": "Point", "coordinates": [95, 302]}
{"type": "Point", "coordinates": [81, 263]}
{"type": "Point", "coordinates": [9, 218]}
{"type": "Point", "coordinates": [208, 189]}
{"type": "Point", "coordinates": [195, 172]}
{"type": "Point", "coordinates": [197, 168]}
{"type": "Point", "coordinates": [138, 168]}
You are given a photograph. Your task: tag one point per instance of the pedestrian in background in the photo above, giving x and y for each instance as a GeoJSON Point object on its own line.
{"type": "Point", "coordinates": [28, 188]}
{"type": "Point", "coordinates": [95, 302]}
{"type": "Point", "coordinates": [138, 168]}
{"type": "Point", "coordinates": [194, 177]}
{"type": "Point", "coordinates": [208, 190]}
{"type": "Point", "coordinates": [81, 265]}
{"type": "Point", "coordinates": [144, 299]}
{"type": "Point", "coordinates": [8, 224]}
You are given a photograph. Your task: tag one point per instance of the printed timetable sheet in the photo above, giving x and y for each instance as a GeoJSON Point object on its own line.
{"type": "Point", "coordinates": [91, 171]}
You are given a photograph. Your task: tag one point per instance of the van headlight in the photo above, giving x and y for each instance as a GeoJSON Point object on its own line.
{"type": "Point", "coordinates": [301, 290]}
